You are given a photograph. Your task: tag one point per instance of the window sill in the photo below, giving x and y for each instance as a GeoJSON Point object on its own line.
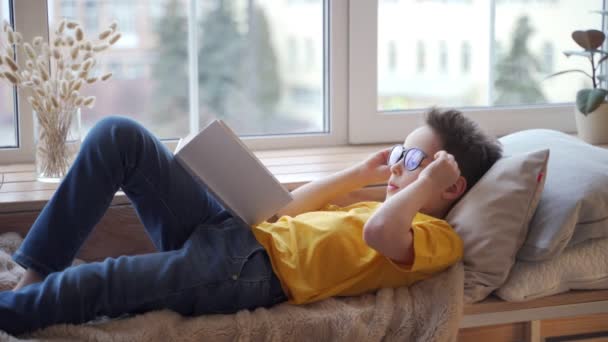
{"type": "Point", "coordinates": [293, 167]}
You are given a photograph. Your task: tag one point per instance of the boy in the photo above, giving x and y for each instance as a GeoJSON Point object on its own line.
{"type": "Point", "coordinates": [209, 263]}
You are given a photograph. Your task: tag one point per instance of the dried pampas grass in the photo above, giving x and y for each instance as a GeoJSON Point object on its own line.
{"type": "Point", "coordinates": [72, 57]}
{"type": "Point", "coordinates": [54, 73]}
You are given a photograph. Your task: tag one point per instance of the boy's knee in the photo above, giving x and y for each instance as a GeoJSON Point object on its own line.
{"type": "Point", "coordinates": [115, 129]}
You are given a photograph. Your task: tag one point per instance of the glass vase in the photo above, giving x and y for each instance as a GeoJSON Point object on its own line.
{"type": "Point", "coordinates": [57, 141]}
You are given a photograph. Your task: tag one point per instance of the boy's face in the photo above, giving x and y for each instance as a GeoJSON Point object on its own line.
{"type": "Point", "coordinates": [424, 139]}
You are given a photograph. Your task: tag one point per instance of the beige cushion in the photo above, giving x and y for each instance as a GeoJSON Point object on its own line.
{"type": "Point", "coordinates": [583, 266]}
{"type": "Point", "coordinates": [493, 217]}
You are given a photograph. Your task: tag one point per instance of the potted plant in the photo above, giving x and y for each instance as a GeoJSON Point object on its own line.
{"type": "Point", "coordinates": [591, 110]}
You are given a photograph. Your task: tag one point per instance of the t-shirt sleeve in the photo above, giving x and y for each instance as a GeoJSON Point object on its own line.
{"type": "Point", "coordinates": [436, 246]}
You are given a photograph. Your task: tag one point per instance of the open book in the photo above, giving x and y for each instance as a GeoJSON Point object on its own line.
{"type": "Point", "coordinates": [237, 178]}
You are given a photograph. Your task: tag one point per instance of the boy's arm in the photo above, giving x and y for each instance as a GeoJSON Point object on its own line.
{"type": "Point", "coordinates": [389, 229]}
{"type": "Point", "coordinates": [316, 194]}
{"type": "Point", "coordinates": [312, 196]}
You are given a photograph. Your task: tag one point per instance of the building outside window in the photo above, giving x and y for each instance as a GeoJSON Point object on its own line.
{"type": "Point", "coordinates": [465, 59]}
{"type": "Point", "coordinates": [392, 56]}
{"type": "Point", "coordinates": [91, 16]}
{"type": "Point", "coordinates": [68, 8]}
{"type": "Point", "coordinates": [443, 56]}
{"type": "Point", "coordinates": [420, 57]}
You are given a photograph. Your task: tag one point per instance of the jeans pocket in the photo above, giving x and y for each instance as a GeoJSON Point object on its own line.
{"type": "Point", "coordinates": [255, 266]}
{"type": "Point", "coordinates": [254, 282]}
{"type": "Point", "coordinates": [246, 287]}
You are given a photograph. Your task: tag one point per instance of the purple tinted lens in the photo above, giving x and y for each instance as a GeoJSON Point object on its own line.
{"type": "Point", "coordinates": [395, 155]}
{"type": "Point", "coordinates": [413, 158]}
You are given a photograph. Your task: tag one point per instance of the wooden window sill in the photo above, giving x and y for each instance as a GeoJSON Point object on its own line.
{"type": "Point", "coordinates": [294, 167]}
{"type": "Point", "coordinates": [22, 192]}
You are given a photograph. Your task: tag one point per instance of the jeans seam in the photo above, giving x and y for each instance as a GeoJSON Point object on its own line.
{"type": "Point", "coordinates": [158, 194]}
{"type": "Point", "coordinates": [174, 293]}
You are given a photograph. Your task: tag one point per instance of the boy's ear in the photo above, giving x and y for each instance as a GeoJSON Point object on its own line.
{"type": "Point", "coordinates": [455, 190]}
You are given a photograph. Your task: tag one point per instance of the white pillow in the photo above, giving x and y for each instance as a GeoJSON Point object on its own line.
{"type": "Point", "coordinates": [574, 205]}
{"type": "Point", "coordinates": [583, 266]}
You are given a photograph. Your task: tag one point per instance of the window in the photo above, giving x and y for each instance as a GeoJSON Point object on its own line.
{"type": "Point", "coordinates": [228, 40]}
{"type": "Point", "coordinates": [420, 57]}
{"type": "Point", "coordinates": [548, 57]}
{"type": "Point", "coordinates": [7, 94]}
{"type": "Point", "coordinates": [465, 57]}
{"type": "Point", "coordinates": [503, 90]}
{"type": "Point", "coordinates": [156, 8]}
{"type": "Point", "coordinates": [443, 57]}
{"type": "Point", "coordinates": [124, 15]}
{"type": "Point", "coordinates": [181, 63]}
{"type": "Point", "coordinates": [311, 57]}
{"type": "Point", "coordinates": [240, 76]}
{"type": "Point", "coordinates": [292, 53]}
{"type": "Point", "coordinates": [91, 15]}
{"type": "Point", "coordinates": [275, 70]}
{"type": "Point", "coordinates": [392, 56]}
{"type": "Point", "coordinates": [68, 8]}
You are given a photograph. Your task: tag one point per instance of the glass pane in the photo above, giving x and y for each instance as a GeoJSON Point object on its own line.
{"type": "Point", "coordinates": [7, 98]}
{"type": "Point", "coordinates": [438, 52]}
{"type": "Point", "coordinates": [261, 65]}
{"type": "Point", "coordinates": [149, 82]}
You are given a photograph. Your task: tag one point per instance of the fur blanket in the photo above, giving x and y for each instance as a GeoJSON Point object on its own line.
{"type": "Point", "coordinates": [429, 310]}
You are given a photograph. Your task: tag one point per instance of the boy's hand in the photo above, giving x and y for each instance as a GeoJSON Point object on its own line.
{"type": "Point", "coordinates": [374, 169]}
{"type": "Point", "coordinates": [443, 171]}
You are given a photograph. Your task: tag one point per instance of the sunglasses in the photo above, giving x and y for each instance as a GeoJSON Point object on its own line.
{"type": "Point", "coordinates": [412, 157]}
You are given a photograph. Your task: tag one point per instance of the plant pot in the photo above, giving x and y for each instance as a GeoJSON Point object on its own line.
{"type": "Point", "coordinates": [57, 142]}
{"type": "Point", "coordinates": [593, 127]}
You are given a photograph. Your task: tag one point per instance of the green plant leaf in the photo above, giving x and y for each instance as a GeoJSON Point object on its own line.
{"type": "Point", "coordinates": [567, 71]}
{"type": "Point", "coordinates": [587, 100]}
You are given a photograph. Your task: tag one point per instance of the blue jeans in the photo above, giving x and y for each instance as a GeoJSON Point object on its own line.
{"type": "Point", "coordinates": [208, 262]}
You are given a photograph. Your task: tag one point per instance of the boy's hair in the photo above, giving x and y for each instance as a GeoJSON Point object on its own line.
{"type": "Point", "coordinates": [474, 151]}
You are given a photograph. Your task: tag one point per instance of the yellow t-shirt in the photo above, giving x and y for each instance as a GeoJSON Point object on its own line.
{"type": "Point", "coordinates": [322, 253]}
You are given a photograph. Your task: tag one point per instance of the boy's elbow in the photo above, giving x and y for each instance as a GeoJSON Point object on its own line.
{"type": "Point", "coordinates": [394, 245]}
{"type": "Point", "coordinates": [373, 235]}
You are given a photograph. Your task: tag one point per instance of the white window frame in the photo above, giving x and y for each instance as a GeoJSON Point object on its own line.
{"type": "Point", "coordinates": [392, 126]}
{"type": "Point", "coordinates": [31, 19]}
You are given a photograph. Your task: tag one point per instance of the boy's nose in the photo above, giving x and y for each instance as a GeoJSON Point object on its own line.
{"type": "Point", "coordinates": [397, 168]}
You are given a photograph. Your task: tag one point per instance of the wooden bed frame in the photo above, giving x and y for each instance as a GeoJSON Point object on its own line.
{"type": "Point", "coordinates": [575, 315]}
{"type": "Point", "coordinates": [582, 315]}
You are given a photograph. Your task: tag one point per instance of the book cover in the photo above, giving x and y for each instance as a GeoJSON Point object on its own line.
{"type": "Point", "coordinates": [218, 158]}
